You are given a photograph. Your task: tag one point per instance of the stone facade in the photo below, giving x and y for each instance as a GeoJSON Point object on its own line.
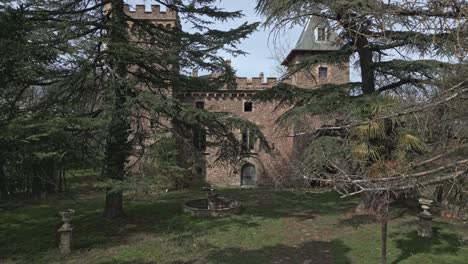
{"type": "Point", "coordinates": [261, 167]}
{"type": "Point", "coordinates": [263, 115]}
{"type": "Point", "coordinates": [309, 78]}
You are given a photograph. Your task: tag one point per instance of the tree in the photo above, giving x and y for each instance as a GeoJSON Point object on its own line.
{"type": "Point", "coordinates": [379, 118]}
{"type": "Point", "coordinates": [123, 72]}
{"type": "Point", "coordinates": [24, 71]}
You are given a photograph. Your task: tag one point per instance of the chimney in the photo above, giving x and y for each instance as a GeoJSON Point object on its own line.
{"type": "Point", "coordinates": [195, 72]}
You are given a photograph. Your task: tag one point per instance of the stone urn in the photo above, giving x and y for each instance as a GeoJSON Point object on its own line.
{"type": "Point", "coordinates": [67, 217]}
{"type": "Point", "coordinates": [65, 232]}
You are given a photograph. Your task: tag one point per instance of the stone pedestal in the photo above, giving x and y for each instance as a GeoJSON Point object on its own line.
{"type": "Point", "coordinates": [65, 243]}
{"type": "Point", "coordinates": [425, 224]}
{"type": "Point", "coordinates": [66, 232]}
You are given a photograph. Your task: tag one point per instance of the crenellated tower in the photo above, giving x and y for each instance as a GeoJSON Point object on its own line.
{"type": "Point", "coordinates": [168, 19]}
{"type": "Point", "coordinates": [316, 38]}
{"type": "Point", "coordinates": [199, 155]}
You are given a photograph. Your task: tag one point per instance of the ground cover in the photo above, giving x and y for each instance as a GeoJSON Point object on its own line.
{"type": "Point", "coordinates": [274, 227]}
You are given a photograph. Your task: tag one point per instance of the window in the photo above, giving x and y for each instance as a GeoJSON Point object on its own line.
{"type": "Point", "coordinates": [248, 106]}
{"type": "Point", "coordinates": [200, 105]}
{"type": "Point", "coordinates": [323, 72]}
{"type": "Point", "coordinates": [248, 141]}
{"type": "Point", "coordinates": [322, 34]}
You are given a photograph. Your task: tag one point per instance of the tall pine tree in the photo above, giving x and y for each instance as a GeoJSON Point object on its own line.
{"type": "Point", "coordinates": [125, 72]}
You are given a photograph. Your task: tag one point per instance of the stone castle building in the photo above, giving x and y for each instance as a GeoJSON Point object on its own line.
{"type": "Point", "coordinates": [260, 167]}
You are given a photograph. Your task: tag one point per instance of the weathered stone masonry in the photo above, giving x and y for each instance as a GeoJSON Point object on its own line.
{"type": "Point", "coordinates": [261, 167]}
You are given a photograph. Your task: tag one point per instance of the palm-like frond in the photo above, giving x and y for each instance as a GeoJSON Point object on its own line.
{"type": "Point", "coordinates": [373, 130]}
{"type": "Point", "coordinates": [365, 151]}
{"type": "Point", "coordinates": [408, 142]}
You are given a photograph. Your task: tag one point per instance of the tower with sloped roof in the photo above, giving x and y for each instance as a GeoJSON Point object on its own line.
{"type": "Point", "coordinates": [317, 45]}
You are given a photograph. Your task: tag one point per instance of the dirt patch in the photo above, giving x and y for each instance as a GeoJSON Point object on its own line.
{"type": "Point", "coordinates": [307, 242]}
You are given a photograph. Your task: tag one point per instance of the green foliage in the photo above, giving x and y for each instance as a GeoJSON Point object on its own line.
{"type": "Point", "coordinates": [323, 153]}
{"type": "Point", "coordinates": [383, 140]}
{"type": "Point", "coordinates": [326, 101]}
{"type": "Point", "coordinates": [414, 31]}
{"type": "Point", "coordinates": [159, 169]}
{"type": "Point", "coordinates": [374, 130]}
{"type": "Point", "coordinates": [36, 151]}
{"type": "Point", "coordinates": [83, 88]}
{"type": "Point", "coordinates": [408, 142]}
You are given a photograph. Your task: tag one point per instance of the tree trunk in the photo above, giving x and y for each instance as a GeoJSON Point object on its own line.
{"type": "Point", "coordinates": [384, 223]}
{"type": "Point", "coordinates": [382, 207]}
{"type": "Point", "coordinates": [117, 153]}
{"type": "Point", "coordinates": [114, 205]}
{"type": "Point", "coordinates": [365, 62]}
{"type": "Point", "coordinates": [36, 186]}
{"type": "Point", "coordinates": [60, 181]}
{"type": "Point", "coordinates": [117, 142]}
{"type": "Point", "coordinates": [4, 195]}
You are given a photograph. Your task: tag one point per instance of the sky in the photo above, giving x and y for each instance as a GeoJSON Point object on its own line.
{"type": "Point", "coordinates": [259, 46]}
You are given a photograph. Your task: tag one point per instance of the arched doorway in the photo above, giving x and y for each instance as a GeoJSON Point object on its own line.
{"type": "Point", "coordinates": [248, 175]}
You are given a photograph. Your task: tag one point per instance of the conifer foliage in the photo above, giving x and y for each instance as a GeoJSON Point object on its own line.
{"type": "Point", "coordinates": [119, 76]}
{"type": "Point", "coordinates": [408, 55]}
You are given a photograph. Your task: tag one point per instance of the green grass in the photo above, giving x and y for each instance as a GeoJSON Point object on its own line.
{"type": "Point", "coordinates": [274, 227]}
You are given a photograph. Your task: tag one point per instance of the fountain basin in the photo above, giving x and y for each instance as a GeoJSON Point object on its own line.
{"type": "Point", "coordinates": [224, 207]}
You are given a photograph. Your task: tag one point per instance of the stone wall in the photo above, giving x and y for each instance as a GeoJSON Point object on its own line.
{"type": "Point", "coordinates": [284, 145]}
{"type": "Point", "coordinates": [264, 115]}
{"type": "Point", "coordinates": [309, 78]}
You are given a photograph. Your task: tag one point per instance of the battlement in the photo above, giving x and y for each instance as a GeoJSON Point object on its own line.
{"type": "Point", "coordinates": [255, 83]}
{"type": "Point", "coordinates": [258, 83]}
{"type": "Point", "coordinates": [155, 14]}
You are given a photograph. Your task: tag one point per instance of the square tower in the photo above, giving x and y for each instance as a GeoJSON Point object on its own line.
{"type": "Point", "coordinates": [316, 38]}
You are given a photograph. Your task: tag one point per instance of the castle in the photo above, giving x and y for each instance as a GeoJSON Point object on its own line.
{"type": "Point", "coordinates": [260, 168]}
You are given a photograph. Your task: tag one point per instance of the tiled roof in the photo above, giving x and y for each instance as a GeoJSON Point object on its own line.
{"type": "Point", "coordinates": [308, 39]}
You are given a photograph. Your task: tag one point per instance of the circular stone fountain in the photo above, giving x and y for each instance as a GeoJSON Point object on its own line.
{"type": "Point", "coordinates": [213, 205]}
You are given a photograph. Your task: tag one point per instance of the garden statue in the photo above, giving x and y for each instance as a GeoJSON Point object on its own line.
{"type": "Point", "coordinates": [65, 232]}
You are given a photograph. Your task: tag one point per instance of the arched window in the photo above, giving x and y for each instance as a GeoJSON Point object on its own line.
{"type": "Point", "coordinates": [248, 175]}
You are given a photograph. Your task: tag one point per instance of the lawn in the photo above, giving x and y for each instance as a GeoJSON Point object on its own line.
{"type": "Point", "coordinates": [273, 227]}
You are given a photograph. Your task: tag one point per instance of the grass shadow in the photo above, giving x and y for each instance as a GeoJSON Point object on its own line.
{"type": "Point", "coordinates": [30, 232]}
{"type": "Point", "coordinates": [358, 220]}
{"type": "Point", "coordinates": [270, 203]}
{"type": "Point", "coordinates": [440, 243]}
{"type": "Point", "coordinates": [316, 252]}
